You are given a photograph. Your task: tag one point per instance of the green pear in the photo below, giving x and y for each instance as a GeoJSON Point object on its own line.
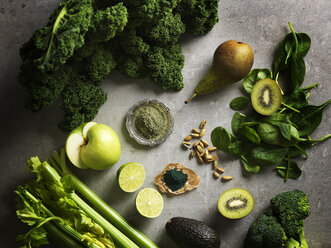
{"type": "Point", "coordinates": [232, 61]}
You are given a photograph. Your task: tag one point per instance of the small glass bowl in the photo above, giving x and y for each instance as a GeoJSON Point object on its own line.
{"type": "Point", "coordinates": [132, 131]}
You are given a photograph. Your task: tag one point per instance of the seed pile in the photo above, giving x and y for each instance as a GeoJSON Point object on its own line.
{"type": "Point", "coordinates": [202, 152]}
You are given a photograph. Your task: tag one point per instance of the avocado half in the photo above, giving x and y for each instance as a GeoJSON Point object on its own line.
{"type": "Point", "coordinates": [190, 233]}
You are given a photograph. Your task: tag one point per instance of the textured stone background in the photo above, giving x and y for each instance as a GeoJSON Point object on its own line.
{"type": "Point", "coordinates": [260, 23]}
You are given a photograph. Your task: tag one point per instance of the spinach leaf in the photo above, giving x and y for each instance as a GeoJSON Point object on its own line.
{"type": "Point", "coordinates": [269, 133]}
{"type": "Point", "coordinates": [290, 55]}
{"type": "Point", "coordinates": [254, 76]}
{"type": "Point", "coordinates": [236, 121]}
{"type": "Point", "coordinates": [221, 138]}
{"type": "Point", "coordinates": [298, 72]}
{"type": "Point", "coordinates": [276, 118]}
{"type": "Point", "coordinates": [267, 155]}
{"type": "Point", "coordinates": [304, 43]}
{"type": "Point", "coordinates": [224, 141]}
{"type": "Point", "coordinates": [297, 99]}
{"type": "Point", "coordinates": [250, 134]}
{"type": "Point", "coordinates": [309, 118]}
{"type": "Point", "coordinates": [289, 170]}
{"type": "Point", "coordinates": [239, 103]}
{"type": "Point", "coordinates": [248, 166]}
{"type": "Point", "coordinates": [285, 130]}
{"type": "Point", "coordinates": [284, 52]}
{"type": "Point", "coordinates": [237, 147]}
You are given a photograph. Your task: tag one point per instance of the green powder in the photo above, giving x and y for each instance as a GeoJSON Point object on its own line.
{"type": "Point", "coordinates": [151, 120]}
{"type": "Point", "coordinates": [174, 179]}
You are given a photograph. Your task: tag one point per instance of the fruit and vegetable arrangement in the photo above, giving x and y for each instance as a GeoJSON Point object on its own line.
{"type": "Point", "coordinates": [279, 127]}
{"type": "Point", "coordinates": [69, 58]}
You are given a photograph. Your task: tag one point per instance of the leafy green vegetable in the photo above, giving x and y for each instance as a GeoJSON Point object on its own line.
{"type": "Point", "coordinates": [290, 54]}
{"type": "Point", "coordinates": [289, 170]}
{"type": "Point", "coordinates": [309, 118]}
{"type": "Point", "coordinates": [250, 134]}
{"type": "Point", "coordinates": [84, 41]}
{"type": "Point", "coordinates": [199, 16]}
{"type": "Point", "coordinates": [221, 138]}
{"type": "Point", "coordinates": [52, 45]}
{"type": "Point", "coordinates": [251, 168]}
{"type": "Point", "coordinates": [239, 103]}
{"type": "Point", "coordinates": [164, 66]}
{"type": "Point", "coordinates": [265, 155]}
{"type": "Point", "coordinates": [237, 120]}
{"type": "Point", "coordinates": [254, 76]}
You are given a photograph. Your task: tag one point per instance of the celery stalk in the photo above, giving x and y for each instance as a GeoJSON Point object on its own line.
{"type": "Point", "coordinates": [118, 237]}
{"type": "Point", "coordinates": [117, 220]}
{"type": "Point", "coordinates": [61, 237]}
{"type": "Point", "coordinates": [58, 228]}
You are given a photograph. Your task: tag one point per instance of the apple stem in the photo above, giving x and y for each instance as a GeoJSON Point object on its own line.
{"type": "Point", "coordinates": [189, 99]}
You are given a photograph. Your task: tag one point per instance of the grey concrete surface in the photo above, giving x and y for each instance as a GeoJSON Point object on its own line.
{"type": "Point", "coordinates": [260, 23]}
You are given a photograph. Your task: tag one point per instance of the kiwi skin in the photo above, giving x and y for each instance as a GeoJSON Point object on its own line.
{"type": "Point", "coordinates": [235, 194]}
{"type": "Point", "coordinates": [266, 88]}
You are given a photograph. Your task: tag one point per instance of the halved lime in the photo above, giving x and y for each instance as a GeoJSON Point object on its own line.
{"type": "Point", "coordinates": [131, 176]}
{"type": "Point", "coordinates": [149, 203]}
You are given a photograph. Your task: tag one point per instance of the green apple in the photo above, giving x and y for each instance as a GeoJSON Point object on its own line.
{"type": "Point", "coordinates": [93, 145]}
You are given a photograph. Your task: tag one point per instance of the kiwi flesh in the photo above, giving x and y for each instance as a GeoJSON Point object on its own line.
{"type": "Point", "coordinates": [266, 96]}
{"type": "Point", "coordinates": [235, 203]}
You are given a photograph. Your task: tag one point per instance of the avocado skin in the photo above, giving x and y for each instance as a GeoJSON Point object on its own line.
{"type": "Point", "coordinates": [190, 233]}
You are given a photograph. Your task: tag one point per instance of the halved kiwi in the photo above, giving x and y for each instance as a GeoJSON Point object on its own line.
{"type": "Point", "coordinates": [235, 203]}
{"type": "Point", "coordinates": [266, 96]}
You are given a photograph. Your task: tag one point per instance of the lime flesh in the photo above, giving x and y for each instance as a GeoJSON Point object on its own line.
{"type": "Point", "coordinates": [149, 203]}
{"type": "Point", "coordinates": [131, 176]}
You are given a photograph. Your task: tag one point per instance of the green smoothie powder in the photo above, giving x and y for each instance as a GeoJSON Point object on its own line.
{"type": "Point", "coordinates": [151, 121]}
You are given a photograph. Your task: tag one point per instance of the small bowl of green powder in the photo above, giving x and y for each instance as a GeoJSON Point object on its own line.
{"type": "Point", "coordinates": [149, 122]}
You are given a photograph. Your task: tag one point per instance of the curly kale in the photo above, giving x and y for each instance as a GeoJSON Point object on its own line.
{"type": "Point", "coordinates": [84, 40]}
{"type": "Point", "coordinates": [107, 23]}
{"type": "Point", "coordinates": [131, 43]}
{"type": "Point", "coordinates": [167, 30]}
{"type": "Point", "coordinates": [146, 11]}
{"type": "Point", "coordinates": [44, 88]}
{"type": "Point", "coordinates": [164, 66]}
{"type": "Point", "coordinates": [80, 102]}
{"type": "Point", "coordinates": [52, 45]}
{"type": "Point", "coordinates": [282, 224]}
{"type": "Point", "coordinates": [99, 65]}
{"type": "Point", "coordinates": [199, 16]}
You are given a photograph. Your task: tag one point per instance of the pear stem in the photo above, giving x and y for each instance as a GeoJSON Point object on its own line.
{"type": "Point", "coordinates": [189, 99]}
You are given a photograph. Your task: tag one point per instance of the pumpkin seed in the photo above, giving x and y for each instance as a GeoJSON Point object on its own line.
{"type": "Point", "coordinates": [211, 149]}
{"type": "Point", "coordinates": [220, 170]}
{"type": "Point", "coordinates": [195, 130]}
{"type": "Point", "coordinates": [195, 135]}
{"type": "Point", "coordinates": [205, 143]}
{"type": "Point", "coordinates": [202, 133]}
{"type": "Point", "coordinates": [216, 175]}
{"type": "Point", "coordinates": [203, 124]}
{"type": "Point", "coordinates": [226, 178]}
